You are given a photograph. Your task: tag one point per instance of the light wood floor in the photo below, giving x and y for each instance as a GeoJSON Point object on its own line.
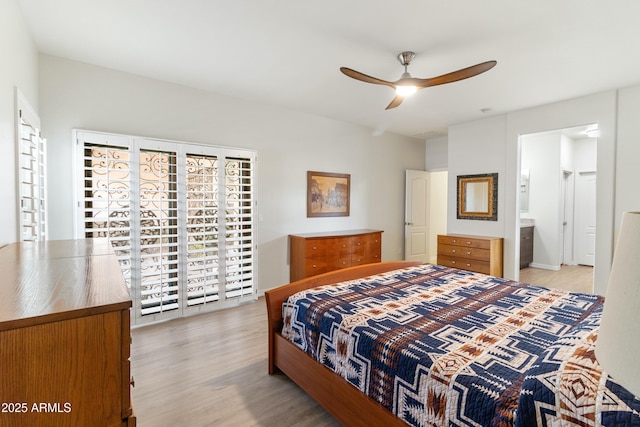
{"type": "Point", "coordinates": [211, 369]}
{"type": "Point", "coordinates": [575, 278]}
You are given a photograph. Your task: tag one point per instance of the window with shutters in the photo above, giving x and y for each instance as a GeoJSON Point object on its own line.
{"type": "Point", "coordinates": [31, 170]}
{"type": "Point", "coordinates": [179, 216]}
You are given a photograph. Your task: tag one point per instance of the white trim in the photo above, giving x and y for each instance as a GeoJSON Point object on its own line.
{"type": "Point", "coordinates": [545, 266]}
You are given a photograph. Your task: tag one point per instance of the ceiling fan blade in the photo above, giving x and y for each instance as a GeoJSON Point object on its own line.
{"type": "Point", "coordinates": [364, 78]}
{"type": "Point", "coordinates": [454, 76]}
{"type": "Point", "coordinates": [397, 100]}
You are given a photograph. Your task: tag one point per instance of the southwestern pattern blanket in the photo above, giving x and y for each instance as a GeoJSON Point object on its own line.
{"type": "Point", "coordinates": [438, 346]}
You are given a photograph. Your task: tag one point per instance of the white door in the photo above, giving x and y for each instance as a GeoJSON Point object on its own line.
{"type": "Point", "coordinates": [585, 218]}
{"type": "Point", "coordinates": [416, 230]}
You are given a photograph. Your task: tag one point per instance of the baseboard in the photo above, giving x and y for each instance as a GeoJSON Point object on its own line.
{"type": "Point", "coordinates": [545, 266]}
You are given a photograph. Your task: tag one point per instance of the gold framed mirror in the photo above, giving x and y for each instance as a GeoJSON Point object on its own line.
{"type": "Point", "coordinates": [478, 197]}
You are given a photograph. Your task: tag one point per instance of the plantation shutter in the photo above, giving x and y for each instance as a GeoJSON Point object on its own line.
{"type": "Point", "coordinates": [239, 229]}
{"type": "Point", "coordinates": [203, 285]}
{"type": "Point", "coordinates": [181, 215]}
{"type": "Point", "coordinates": [158, 228]}
{"type": "Point", "coordinates": [106, 194]}
{"type": "Point", "coordinates": [31, 160]}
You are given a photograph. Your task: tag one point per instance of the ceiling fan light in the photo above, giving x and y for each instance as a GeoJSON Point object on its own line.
{"type": "Point", "coordinates": [405, 90]}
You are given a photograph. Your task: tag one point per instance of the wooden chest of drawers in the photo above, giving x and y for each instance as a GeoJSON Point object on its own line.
{"type": "Point", "coordinates": [64, 336]}
{"type": "Point", "coordinates": [473, 253]}
{"type": "Point", "coordinates": [317, 253]}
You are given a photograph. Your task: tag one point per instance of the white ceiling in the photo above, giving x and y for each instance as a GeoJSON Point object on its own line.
{"type": "Point", "coordinates": [287, 53]}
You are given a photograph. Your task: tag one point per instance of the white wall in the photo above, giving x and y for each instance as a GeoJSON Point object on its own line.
{"type": "Point", "coordinates": [76, 95]}
{"type": "Point", "coordinates": [18, 69]}
{"type": "Point", "coordinates": [566, 153]}
{"type": "Point", "coordinates": [492, 145]}
{"type": "Point", "coordinates": [627, 153]}
{"type": "Point", "coordinates": [477, 148]}
{"type": "Point", "coordinates": [437, 211]}
{"type": "Point", "coordinates": [541, 156]}
{"type": "Point", "coordinates": [585, 158]}
{"type": "Point", "coordinates": [436, 153]}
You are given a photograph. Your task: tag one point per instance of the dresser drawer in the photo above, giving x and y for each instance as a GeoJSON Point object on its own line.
{"type": "Point", "coordinates": [374, 247]}
{"type": "Point", "coordinates": [338, 247]}
{"type": "Point", "coordinates": [315, 266]}
{"type": "Point", "coordinates": [469, 242]}
{"type": "Point", "coordinates": [368, 258]}
{"type": "Point", "coordinates": [465, 252]}
{"type": "Point", "coordinates": [315, 248]}
{"type": "Point", "coordinates": [360, 242]}
{"type": "Point", "coordinates": [338, 263]}
{"type": "Point", "coordinates": [374, 257]}
{"type": "Point", "coordinates": [360, 259]}
{"type": "Point", "coordinates": [375, 240]}
{"type": "Point", "coordinates": [465, 264]}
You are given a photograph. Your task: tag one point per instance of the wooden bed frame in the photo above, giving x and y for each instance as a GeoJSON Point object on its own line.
{"type": "Point", "coordinates": [341, 399]}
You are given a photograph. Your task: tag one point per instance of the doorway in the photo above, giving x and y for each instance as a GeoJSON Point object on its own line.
{"type": "Point", "coordinates": [559, 205]}
{"type": "Point", "coordinates": [425, 214]}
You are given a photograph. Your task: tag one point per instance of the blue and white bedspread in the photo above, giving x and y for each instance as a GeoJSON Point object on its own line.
{"type": "Point", "coordinates": [444, 347]}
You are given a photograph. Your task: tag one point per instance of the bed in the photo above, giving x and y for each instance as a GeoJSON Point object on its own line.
{"type": "Point", "coordinates": [400, 343]}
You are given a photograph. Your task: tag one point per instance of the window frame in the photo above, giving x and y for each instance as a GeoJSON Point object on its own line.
{"type": "Point", "coordinates": [136, 145]}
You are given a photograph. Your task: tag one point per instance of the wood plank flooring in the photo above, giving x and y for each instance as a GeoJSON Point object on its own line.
{"type": "Point", "coordinates": [211, 369]}
{"type": "Point", "coordinates": [575, 278]}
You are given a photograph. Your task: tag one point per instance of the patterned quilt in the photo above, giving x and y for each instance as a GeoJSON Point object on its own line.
{"type": "Point", "coordinates": [444, 347]}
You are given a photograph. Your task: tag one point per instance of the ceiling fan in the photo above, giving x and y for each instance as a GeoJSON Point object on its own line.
{"type": "Point", "coordinates": [407, 85]}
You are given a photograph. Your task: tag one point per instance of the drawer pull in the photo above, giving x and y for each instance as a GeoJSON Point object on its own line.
{"type": "Point", "coordinates": [344, 246]}
{"type": "Point", "coordinates": [468, 253]}
{"type": "Point", "coordinates": [313, 266]}
{"type": "Point", "coordinates": [453, 262]}
{"type": "Point", "coordinates": [468, 243]}
{"type": "Point", "coordinates": [315, 247]}
{"type": "Point", "coordinates": [454, 241]}
{"type": "Point", "coordinates": [344, 262]}
{"type": "Point", "coordinates": [453, 251]}
{"type": "Point", "coordinates": [468, 265]}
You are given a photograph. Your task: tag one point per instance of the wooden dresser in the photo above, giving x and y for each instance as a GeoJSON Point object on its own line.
{"type": "Point", "coordinates": [473, 253]}
{"type": "Point", "coordinates": [64, 336]}
{"type": "Point", "coordinates": [316, 253]}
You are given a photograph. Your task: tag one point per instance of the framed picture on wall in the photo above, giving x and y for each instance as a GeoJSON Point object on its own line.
{"type": "Point", "coordinates": [328, 194]}
{"type": "Point", "coordinates": [478, 197]}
